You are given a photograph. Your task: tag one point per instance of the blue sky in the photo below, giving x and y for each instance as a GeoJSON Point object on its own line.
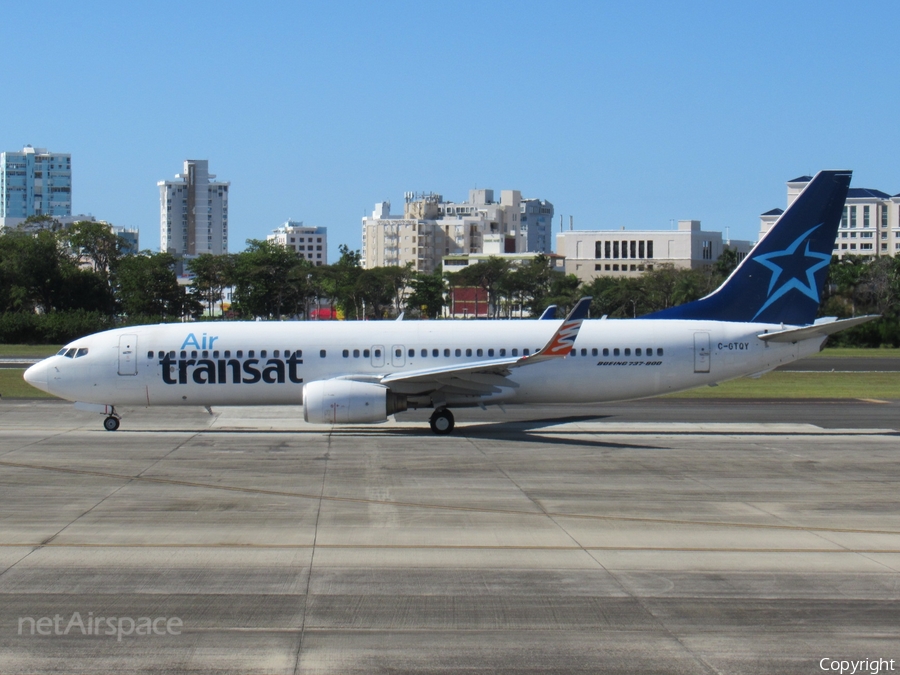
{"type": "Point", "coordinates": [621, 114]}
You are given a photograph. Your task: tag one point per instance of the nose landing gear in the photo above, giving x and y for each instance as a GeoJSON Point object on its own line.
{"type": "Point", "coordinates": [442, 422]}
{"type": "Point", "coordinates": [111, 423]}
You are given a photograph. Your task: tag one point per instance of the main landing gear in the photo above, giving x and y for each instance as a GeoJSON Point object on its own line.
{"type": "Point", "coordinates": [442, 422]}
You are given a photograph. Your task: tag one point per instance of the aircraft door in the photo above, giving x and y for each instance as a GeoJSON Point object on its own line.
{"type": "Point", "coordinates": [378, 356]}
{"type": "Point", "coordinates": [701, 352]}
{"type": "Point", "coordinates": [398, 356]}
{"type": "Point", "coordinates": [128, 355]}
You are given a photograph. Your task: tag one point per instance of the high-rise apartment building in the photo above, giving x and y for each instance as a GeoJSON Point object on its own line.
{"type": "Point", "coordinates": [307, 242]}
{"type": "Point", "coordinates": [431, 228]}
{"type": "Point", "coordinates": [193, 212]}
{"type": "Point", "coordinates": [34, 182]}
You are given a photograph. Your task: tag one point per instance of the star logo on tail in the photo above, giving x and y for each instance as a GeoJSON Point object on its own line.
{"type": "Point", "coordinates": [794, 263]}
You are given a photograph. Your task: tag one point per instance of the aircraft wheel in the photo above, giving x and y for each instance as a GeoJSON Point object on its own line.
{"type": "Point", "coordinates": [111, 423]}
{"type": "Point", "coordinates": [442, 422]}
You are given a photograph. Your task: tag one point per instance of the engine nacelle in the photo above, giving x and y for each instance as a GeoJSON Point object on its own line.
{"type": "Point", "coordinates": [349, 402]}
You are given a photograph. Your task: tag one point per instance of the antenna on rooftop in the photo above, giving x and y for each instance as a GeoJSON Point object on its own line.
{"type": "Point", "coordinates": [571, 223]}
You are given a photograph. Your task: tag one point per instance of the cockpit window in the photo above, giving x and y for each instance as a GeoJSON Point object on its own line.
{"type": "Point", "coordinates": [61, 352]}
{"type": "Point", "coordinates": [82, 351]}
{"type": "Point", "coordinates": [70, 353]}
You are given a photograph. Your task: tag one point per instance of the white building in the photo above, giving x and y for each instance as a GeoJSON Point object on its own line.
{"type": "Point", "coordinates": [34, 182]}
{"type": "Point", "coordinates": [431, 228]}
{"type": "Point", "coordinates": [870, 224]}
{"type": "Point", "coordinates": [593, 253]}
{"type": "Point", "coordinates": [308, 242]}
{"type": "Point", "coordinates": [193, 212]}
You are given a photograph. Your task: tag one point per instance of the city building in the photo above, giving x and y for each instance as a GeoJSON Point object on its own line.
{"type": "Point", "coordinates": [308, 242]}
{"type": "Point", "coordinates": [593, 253]}
{"type": "Point", "coordinates": [34, 182]}
{"type": "Point", "coordinates": [431, 228]}
{"type": "Point", "coordinates": [466, 302]}
{"type": "Point", "coordinates": [870, 225]}
{"type": "Point", "coordinates": [193, 212]}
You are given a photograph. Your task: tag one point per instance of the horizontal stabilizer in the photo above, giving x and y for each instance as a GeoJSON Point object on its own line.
{"type": "Point", "coordinates": [823, 329]}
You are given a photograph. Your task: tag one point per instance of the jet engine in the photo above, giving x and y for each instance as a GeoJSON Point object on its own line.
{"type": "Point", "coordinates": [349, 402]}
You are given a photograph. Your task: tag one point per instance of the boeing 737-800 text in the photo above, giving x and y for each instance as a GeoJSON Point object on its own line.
{"type": "Point", "coordinates": [763, 316]}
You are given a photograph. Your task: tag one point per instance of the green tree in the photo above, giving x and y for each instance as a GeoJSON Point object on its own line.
{"type": "Point", "coordinates": [212, 275]}
{"type": "Point", "coordinates": [427, 295]}
{"type": "Point", "coordinates": [260, 278]}
{"type": "Point", "coordinates": [147, 286]}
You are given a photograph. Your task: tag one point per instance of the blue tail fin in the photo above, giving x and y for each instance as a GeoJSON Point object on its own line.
{"type": "Point", "coordinates": [780, 280]}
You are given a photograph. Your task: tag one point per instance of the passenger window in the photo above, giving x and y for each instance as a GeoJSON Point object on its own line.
{"type": "Point", "coordinates": [515, 351]}
{"type": "Point", "coordinates": [446, 352]}
{"type": "Point", "coordinates": [377, 353]}
{"type": "Point", "coordinates": [216, 354]}
{"type": "Point", "coordinates": [468, 352]}
{"type": "Point", "coordinates": [345, 353]}
{"type": "Point", "coordinates": [172, 354]}
{"type": "Point", "coordinates": [355, 353]}
{"type": "Point", "coordinates": [412, 352]}
{"type": "Point", "coordinates": [458, 352]}
{"type": "Point", "coordinates": [275, 354]}
{"type": "Point", "coordinates": [525, 352]}
{"type": "Point", "coordinates": [150, 355]}
{"type": "Point", "coordinates": [322, 353]}
{"type": "Point", "coordinates": [184, 355]}
{"type": "Point", "coordinates": [490, 352]}
{"type": "Point", "coordinates": [424, 353]}
{"type": "Point", "coordinates": [606, 351]}
{"type": "Point", "coordinates": [227, 353]}
{"type": "Point", "coordinates": [82, 351]}
{"type": "Point", "coordinates": [398, 353]}
{"type": "Point", "coordinates": [160, 355]}
{"type": "Point", "coordinates": [435, 352]}
{"type": "Point", "coordinates": [583, 351]}
{"type": "Point", "coordinates": [574, 352]}
{"type": "Point", "coordinates": [616, 351]}
{"type": "Point", "coordinates": [251, 353]}
{"type": "Point", "coordinates": [479, 352]}
{"type": "Point", "coordinates": [206, 354]}
{"type": "Point", "coordinates": [637, 352]}
{"type": "Point", "coordinates": [366, 353]}
{"type": "Point", "coordinates": [240, 353]}
{"type": "Point", "coordinates": [594, 352]}
{"type": "Point", "coordinates": [262, 354]}
{"type": "Point", "coordinates": [503, 351]}
{"type": "Point", "coordinates": [659, 352]}
{"type": "Point", "coordinates": [627, 351]}
{"type": "Point", "coordinates": [193, 353]}
{"type": "Point", "coordinates": [649, 351]}
{"type": "Point", "coordinates": [299, 353]}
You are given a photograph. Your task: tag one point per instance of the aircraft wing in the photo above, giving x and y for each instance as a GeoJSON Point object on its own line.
{"type": "Point", "coordinates": [485, 377]}
{"type": "Point", "coordinates": [822, 328]}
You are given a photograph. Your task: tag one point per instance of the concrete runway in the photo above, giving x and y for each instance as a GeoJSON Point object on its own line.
{"type": "Point", "coordinates": [651, 537]}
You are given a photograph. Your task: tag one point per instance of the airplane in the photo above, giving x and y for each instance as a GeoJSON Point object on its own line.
{"type": "Point", "coordinates": [761, 317]}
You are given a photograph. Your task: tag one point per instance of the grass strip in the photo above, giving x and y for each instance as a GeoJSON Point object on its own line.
{"type": "Point", "coordinates": [804, 385]}
{"type": "Point", "coordinates": [13, 386]}
{"type": "Point", "coordinates": [28, 351]}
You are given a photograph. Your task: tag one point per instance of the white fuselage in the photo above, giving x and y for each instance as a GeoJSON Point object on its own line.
{"type": "Point", "coordinates": [267, 363]}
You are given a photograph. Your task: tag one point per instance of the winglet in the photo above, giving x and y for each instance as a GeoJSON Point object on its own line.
{"type": "Point", "coordinates": [561, 343]}
{"type": "Point", "coordinates": [549, 313]}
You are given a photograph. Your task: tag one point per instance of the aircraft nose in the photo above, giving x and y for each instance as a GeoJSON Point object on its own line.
{"type": "Point", "coordinates": [36, 376]}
